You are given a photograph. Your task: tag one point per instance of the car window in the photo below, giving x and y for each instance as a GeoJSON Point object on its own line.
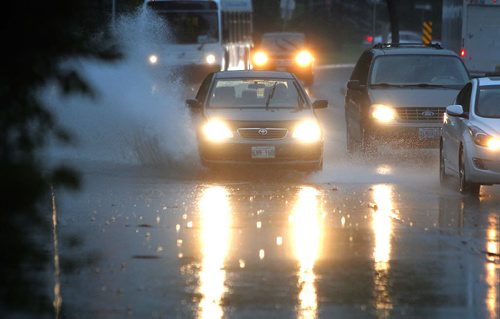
{"type": "Point", "coordinates": [202, 92]}
{"type": "Point", "coordinates": [417, 69]}
{"type": "Point", "coordinates": [463, 98]}
{"type": "Point", "coordinates": [362, 67]}
{"type": "Point", "coordinates": [255, 93]}
{"type": "Point", "coordinates": [488, 102]}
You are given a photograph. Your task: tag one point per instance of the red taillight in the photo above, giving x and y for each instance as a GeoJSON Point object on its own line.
{"type": "Point", "coordinates": [463, 53]}
{"type": "Point", "coordinates": [369, 38]}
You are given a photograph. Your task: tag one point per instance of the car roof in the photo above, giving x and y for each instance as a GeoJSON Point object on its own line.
{"type": "Point", "coordinates": [489, 80]}
{"type": "Point", "coordinates": [409, 49]}
{"type": "Point", "coordinates": [253, 74]}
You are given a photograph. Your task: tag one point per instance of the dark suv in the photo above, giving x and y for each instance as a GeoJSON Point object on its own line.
{"type": "Point", "coordinates": [398, 93]}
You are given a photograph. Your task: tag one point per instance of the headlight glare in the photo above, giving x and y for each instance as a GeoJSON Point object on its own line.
{"type": "Point", "coordinates": [260, 58]}
{"type": "Point", "coordinates": [383, 113]}
{"type": "Point", "coordinates": [307, 132]}
{"type": "Point", "coordinates": [153, 59]}
{"type": "Point", "coordinates": [304, 58]}
{"type": "Point", "coordinates": [210, 58]}
{"type": "Point", "coordinates": [216, 131]}
{"type": "Point", "coordinates": [482, 139]}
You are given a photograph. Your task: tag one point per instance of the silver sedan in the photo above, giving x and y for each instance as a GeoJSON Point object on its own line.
{"type": "Point", "coordinates": [470, 139]}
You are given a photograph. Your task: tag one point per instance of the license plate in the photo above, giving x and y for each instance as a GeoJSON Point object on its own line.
{"type": "Point", "coordinates": [428, 133]}
{"type": "Point", "coordinates": [263, 152]}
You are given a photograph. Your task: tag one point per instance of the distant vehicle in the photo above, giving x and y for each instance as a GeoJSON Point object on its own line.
{"type": "Point", "coordinates": [285, 51]}
{"type": "Point", "coordinates": [404, 37]}
{"type": "Point", "coordinates": [259, 118]}
{"type": "Point", "coordinates": [398, 93]}
{"type": "Point", "coordinates": [470, 28]}
{"type": "Point", "coordinates": [203, 36]}
{"type": "Point", "coordinates": [470, 142]}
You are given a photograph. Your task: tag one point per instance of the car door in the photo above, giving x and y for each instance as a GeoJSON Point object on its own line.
{"type": "Point", "coordinates": [357, 98]}
{"type": "Point", "coordinates": [452, 131]}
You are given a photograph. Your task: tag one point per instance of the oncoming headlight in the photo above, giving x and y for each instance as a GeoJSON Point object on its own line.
{"type": "Point", "coordinates": [153, 59]}
{"type": "Point", "coordinates": [304, 58]}
{"type": "Point", "coordinates": [210, 58]}
{"type": "Point", "coordinates": [216, 131]}
{"type": "Point", "coordinates": [260, 58]}
{"type": "Point", "coordinates": [482, 139]}
{"type": "Point", "coordinates": [307, 132]}
{"type": "Point", "coordinates": [383, 113]}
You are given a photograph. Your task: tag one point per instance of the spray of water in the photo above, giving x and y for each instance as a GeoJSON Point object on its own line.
{"type": "Point", "coordinates": [137, 117]}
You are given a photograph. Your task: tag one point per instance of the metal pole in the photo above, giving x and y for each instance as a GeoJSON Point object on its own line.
{"type": "Point", "coordinates": [374, 23]}
{"type": "Point", "coordinates": [113, 12]}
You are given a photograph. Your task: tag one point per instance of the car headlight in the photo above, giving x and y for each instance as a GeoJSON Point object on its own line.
{"type": "Point", "coordinates": [216, 131]}
{"type": "Point", "coordinates": [482, 139]}
{"type": "Point", "coordinates": [260, 58]}
{"type": "Point", "coordinates": [153, 59]}
{"type": "Point", "coordinates": [307, 132]}
{"type": "Point", "coordinates": [210, 58]}
{"type": "Point", "coordinates": [304, 58]}
{"type": "Point", "coordinates": [383, 113]}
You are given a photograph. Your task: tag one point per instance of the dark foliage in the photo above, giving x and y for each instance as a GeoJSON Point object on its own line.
{"type": "Point", "coordinates": [37, 36]}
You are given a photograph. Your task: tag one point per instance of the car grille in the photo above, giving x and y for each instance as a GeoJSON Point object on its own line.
{"type": "Point", "coordinates": [262, 133]}
{"type": "Point", "coordinates": [430, 114]}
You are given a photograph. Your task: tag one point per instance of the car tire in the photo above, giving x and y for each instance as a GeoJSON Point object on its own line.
{"type": "Point", "coordinates": [443, 178]}
{"type": "Point", "coordinates": [466, 187]}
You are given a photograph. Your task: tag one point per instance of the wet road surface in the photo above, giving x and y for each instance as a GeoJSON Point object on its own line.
{"type": "Point", "coordinates": [366, 238]}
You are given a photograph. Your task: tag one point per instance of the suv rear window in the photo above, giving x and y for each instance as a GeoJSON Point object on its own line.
{"type": "Point", "coordinates": [419, 69]}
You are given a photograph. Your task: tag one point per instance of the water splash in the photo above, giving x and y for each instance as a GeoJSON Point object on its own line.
{"type": "Point", "coordinates": [138, 117]}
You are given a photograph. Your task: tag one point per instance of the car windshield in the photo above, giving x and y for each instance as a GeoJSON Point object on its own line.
{"type": "Point", "coordinates": [255, 93]}
{"type": "Point", "coordinates": [192, 27]}
{"type": "Point", "coordinates": [488, 102]}
{"type": "Point", "coordinates": [419, 69]}
{"type": "Point", "coordinates": [287, 42]}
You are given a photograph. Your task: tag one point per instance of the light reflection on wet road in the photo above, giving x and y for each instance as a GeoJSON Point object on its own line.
{"type": "Point", "coordinates": [377, 239]}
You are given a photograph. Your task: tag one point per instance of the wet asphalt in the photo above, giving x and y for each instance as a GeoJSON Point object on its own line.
{"type": "Point", "coordinates": [370, 237]}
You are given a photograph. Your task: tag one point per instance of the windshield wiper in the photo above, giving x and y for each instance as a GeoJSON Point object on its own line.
{"type": "Point", "coordinates": [271, 94]}
{"type": "Point", "coordinates": [385, 85]}
{"type": "Point", "coordinates": [425, 85]}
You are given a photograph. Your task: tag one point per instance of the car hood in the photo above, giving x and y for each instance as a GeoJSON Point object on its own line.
{"type": "Point", "coordinates": [490, 126]}
{"type": "Point", "coordinates": [413, 97]}
{"type": "Point", "coordinates": [256, 115]}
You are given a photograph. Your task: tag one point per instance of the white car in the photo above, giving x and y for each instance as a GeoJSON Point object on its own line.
{"type": "Point", "coordinates": [470, 138]}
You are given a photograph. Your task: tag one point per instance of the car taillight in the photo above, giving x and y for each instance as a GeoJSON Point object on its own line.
{"type": "Point", "coordinates": [463, 53]}
{"type": "Point", "coordinates": [369, 38]}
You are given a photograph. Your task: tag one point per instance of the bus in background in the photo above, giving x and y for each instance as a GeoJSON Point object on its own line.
{"type": "Point", "coordinates": [471, 29]}
{"type": "Point", "coordinates": [204, 36]}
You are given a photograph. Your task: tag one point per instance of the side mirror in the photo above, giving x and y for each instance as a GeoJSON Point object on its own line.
{"type": "Point", "coordinates": [193, 104]}
{"type": "Point", "coordinates": [455, 110]}
{"type": "Point", "coordinates": [353, 85]}
{"type": "Point", "coordinates": [320, 104]}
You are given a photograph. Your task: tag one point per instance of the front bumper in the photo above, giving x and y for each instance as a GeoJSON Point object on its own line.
{"type": "Point", "coordinates": [289, 153]}
{"type": "Point", "coordinates": [483, 165]}
{"type": "Point", "coordinates": [414, 134]}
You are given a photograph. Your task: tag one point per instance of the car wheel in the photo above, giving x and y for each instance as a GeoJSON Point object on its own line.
{"type": "Point", "coordinates": [443, 178]}
{"type": "Point", "coordinates": [466, 187]}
